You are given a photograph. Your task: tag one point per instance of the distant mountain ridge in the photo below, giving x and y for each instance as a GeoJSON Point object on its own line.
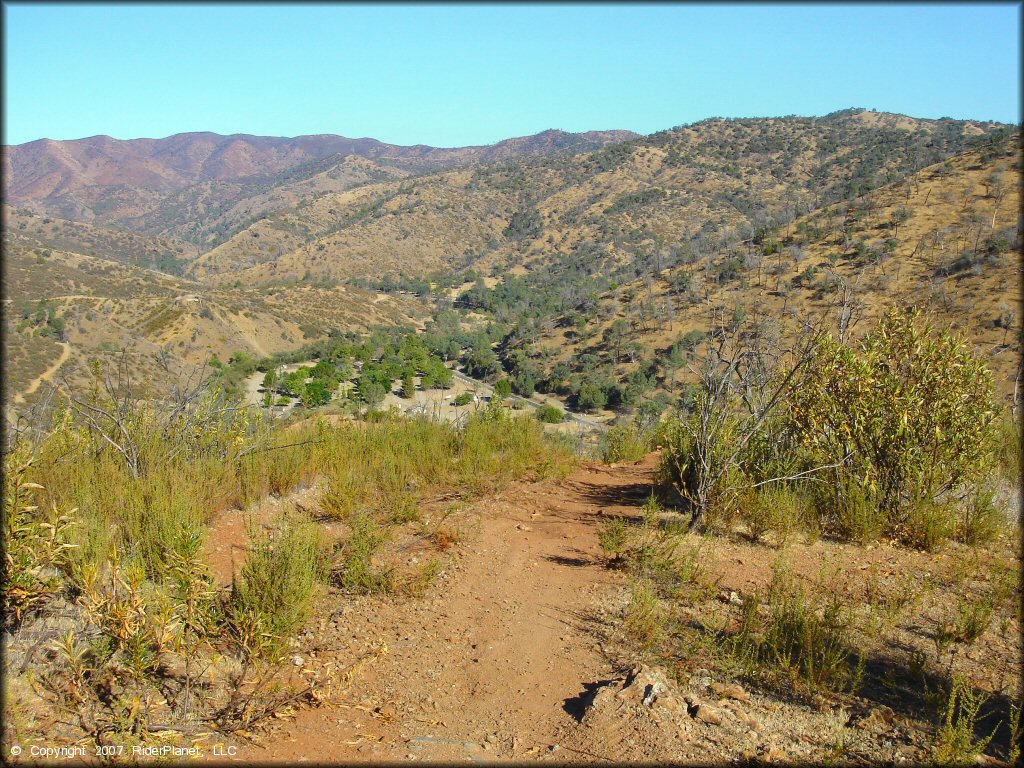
{"type": "Point", "coordinates": [41, 173]}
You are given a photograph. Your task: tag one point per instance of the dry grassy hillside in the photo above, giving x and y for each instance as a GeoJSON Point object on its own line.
{"type": "Point", "coordinates": [648, 193]}
{"type": "Point", "coordinates": [210, 211]}
{"type": "Point", "coordinates": [945, 239]}
{"type": "Point", "coordinates": [44, 234]}
{"type": "Point", "coordinates": [203, 186]}
{"type": "Point", "coordinates": [96, 308]}
{"type": "Point", "coordinates": [415, 226]}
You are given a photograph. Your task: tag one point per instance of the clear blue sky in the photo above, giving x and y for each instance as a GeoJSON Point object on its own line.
{"type": "Point", "coordinates": [452, 75]}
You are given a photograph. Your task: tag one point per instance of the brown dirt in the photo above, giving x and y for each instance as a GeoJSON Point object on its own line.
{"type": "Point", "coordinates": [494, 661]}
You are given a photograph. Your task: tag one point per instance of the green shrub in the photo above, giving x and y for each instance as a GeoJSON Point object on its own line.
{"type": "Point", "coordinates": [980, 518]}
{"type": "Point", "coordinates": [800, 639]}
{"type": "Point", "coordinates": [776, 509]}
{"type": "Point", "coordinates": [279, 580]}
{"type": "Point", "coordinates": [35, 544]}
{"type": "Point", "coordinates": [464, 399]}
{"type": "Point", "coordinates": [612, 536]}
{"type": "Point", "coordinates": [845, 507]}
{"type": "Point", "coordinates": [624, 442]}
{"type": "Point", "coordinates": [911, 414]}
{"type": "Point", "coordinates": [549, 414]}
{"type": "Point", "coordinates": [644, 618]}
{"type": "Point", "coordinates": [502, 389]}
{"type": "Point", "coordinates": [956, 743]}
{"type": "Point", "coordinates": [357, 571]}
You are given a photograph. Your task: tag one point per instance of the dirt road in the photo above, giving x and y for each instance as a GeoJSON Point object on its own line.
{"type": "Point", "coordinates": [498, 658]}
{"type": "Point", "coordinates": [46, 375]}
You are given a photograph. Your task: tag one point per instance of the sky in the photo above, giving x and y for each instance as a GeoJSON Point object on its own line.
{"type": "Point", "coordinates": [457, 75]}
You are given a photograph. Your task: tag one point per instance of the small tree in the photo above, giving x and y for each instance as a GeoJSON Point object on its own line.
{"type": "Point", "coordinates": [408, 385]}
{"type": "Point", "coordinates": [315, 394]}
{"type": "Point", "coordinates": [744, 379]}
{"type": "Point", "coordinates": [590, 398]}
{"type": "Point", "coordinates": [502, 389]}
{"type": "Point", "coordinates": [549, 414]}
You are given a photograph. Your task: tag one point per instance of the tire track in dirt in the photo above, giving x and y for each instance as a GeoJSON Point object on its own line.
{"type": "Point", "coordinates": [494, 661]}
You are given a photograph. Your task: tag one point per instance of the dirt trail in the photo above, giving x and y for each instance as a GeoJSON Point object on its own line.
{"type": "Point", "coordinates": [495, 661]}
{"type": "Point", "coordinates": [49, 373]}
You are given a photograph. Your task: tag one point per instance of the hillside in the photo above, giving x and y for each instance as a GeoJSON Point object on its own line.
{"type": "Point", "coordinates": [677, 187]}
{"type": "Point", "coordinates": [93, 308]}
{"type": "Point", "coordinates": [182, 184]}
{"type": "Point", "coordinates": [943, 239]}
{"type": "Point", "coordinates": [44, 234]}
{"type": "Point", "coordinates": [616, 261]}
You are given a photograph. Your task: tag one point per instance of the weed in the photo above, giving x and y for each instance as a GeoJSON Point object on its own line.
{"type": "Point", "coordinates": [612, 534]}
{"type": "Point", "coordinates": [643, 620]}
{"type": "Point", "coordinates": [357, 571]}
{"type": "Point", "coordinates": [774, 509]}
{"type": "Point", "coordinates": [445, 537]}
{"type": "Point", "coordinates": [795, 640]}
{"type": "Point", "coordinates": [416, 582]}
{"type": "Point", "coordinates": [980, 520]}
{"type": "Point", "coordinates": [849, 509]}
{"type": "Point", "coordinates": [279, 581]}
{"type": "Point", "coordinates": [1014, 724]}
{"type": "Point", "coordinates": [404, 509]}
{"type": "Point", "coordinates": [956, 743]}
{"type": "Point", "coordinates": [929, 523]}
{"type": "Point", "coordinates": [393, 463]}
{"type": "Point", "coordinates": [970, 618]}
{"type": "Point", "coordinates": [651, 511]}
{"type": "Point", "coordinates": [1008, 448]}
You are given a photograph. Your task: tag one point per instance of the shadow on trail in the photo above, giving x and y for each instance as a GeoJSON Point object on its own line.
{"type": "Point", "coordinates": [572, 562]}
{"type": "Point", "coordinates": [576, 706]}
{"type": "Point", "coordinates": [605, 494]}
